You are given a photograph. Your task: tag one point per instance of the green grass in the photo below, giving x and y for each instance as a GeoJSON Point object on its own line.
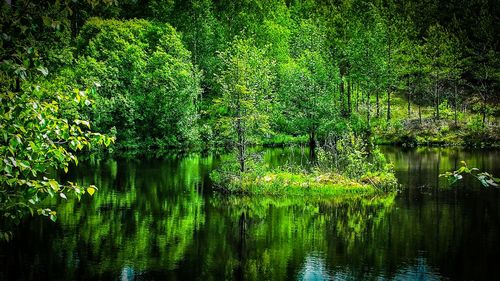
{"type": "Point", "coordinates": [314, 184]}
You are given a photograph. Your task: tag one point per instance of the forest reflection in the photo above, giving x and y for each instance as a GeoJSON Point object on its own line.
{"type": "Point", "coordinates": [154, 219]}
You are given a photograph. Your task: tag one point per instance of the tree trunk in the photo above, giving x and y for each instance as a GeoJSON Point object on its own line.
{"type": "Point", "coordinates": [312, 145]}
{"type": "Point", "coordinates": [334, 94]}
{"type": "Point", "coordinates": [389, 84]}
{"type": "Point", "coordinates": [436, 92]}
{"type": "Point", "coordinates": [420, 113]}
{"type": "Point", "coordinates": [348, 97]}
{"type": "Point", "coordinates": [343, 69]}
{"type": "Point", "coordinates": [409, 97]}
{"type": "Point", "coordinates": [388, 105]}
{"type": "Point", "coordinates": [484, 113]}
{"type": "Point", "coordinates": [240, 131]}
{"type": "Point", "coordinates": [409, 107]}
{"type": "Point", "coordinates": [464, 112]}
{"type": "Point", "coordinates": [357, 98]}
{"type": "Point", "coordinates": [18, 85]}
{"type": "Point", "coordinates": [341, 87]}
{"type": "Point", "coordinates": [74, 19]}
{"type": "Point", "coordinates": [241, 146]}
{"type": "Point", "coordinates": [456, 105]}
{"type": "Point", "coordinates": [368, 111]}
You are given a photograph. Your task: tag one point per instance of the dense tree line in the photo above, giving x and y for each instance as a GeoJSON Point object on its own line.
{"type": "Point", "coordinates": [335, 59]}
{"type": "Point", "coordinates": [329, 59]}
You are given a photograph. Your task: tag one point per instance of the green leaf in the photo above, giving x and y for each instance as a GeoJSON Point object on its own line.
{"type": "Point", "coordinates": [54, 185]}
{"type": "Point", "coordinates": [53, 218]}
{"type": "Point", "coordinates": [43, 70]}
{"type": "Point", "coordinates": [8, 169]}
{"type": "Point", "coordinates": [24, 165]}
{"type": "Point", "coordinates": [492, 182]}
{"type": "Point", "coordinates": [91, 190]}
{"type": "Point", "coordinates": [47, 21]}
{"type": "Point", "coordinates": [13, 142]}
{"type": "Point", "coordinates": [483, 182]}
{"type": "Point", "coordinates": [51, 192]}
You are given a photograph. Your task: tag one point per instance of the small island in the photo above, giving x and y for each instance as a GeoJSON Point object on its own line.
{"type": "Point", "coordinates": [311, 184]}
{"type": "Point", "coordinates": [345, 168]}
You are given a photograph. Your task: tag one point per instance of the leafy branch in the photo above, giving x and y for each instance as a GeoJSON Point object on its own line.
{"type": "Point", "coordinates": [486, 179]}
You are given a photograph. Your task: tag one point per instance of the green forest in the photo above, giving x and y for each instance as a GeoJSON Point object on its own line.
{"type": "Point", "coordinates": [150, 78]}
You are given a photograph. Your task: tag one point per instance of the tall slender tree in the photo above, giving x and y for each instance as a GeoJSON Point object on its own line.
{"type": "Point", "coordinates": [246, 85]}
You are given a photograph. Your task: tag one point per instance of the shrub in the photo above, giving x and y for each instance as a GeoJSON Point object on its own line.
{"type": "Point", "coordinates": [32, 150]}
{"type": "Point", "coordinates": [351, 156]}
{"type": "Point", "coordinates": [147, 85]}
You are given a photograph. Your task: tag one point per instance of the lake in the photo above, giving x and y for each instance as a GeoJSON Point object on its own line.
{"type": "Point", "coordinates": [160, 220]}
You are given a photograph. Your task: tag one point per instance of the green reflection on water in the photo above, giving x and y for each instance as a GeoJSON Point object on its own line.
{"type": "Point", "coordinates": [156, 220]}
{"type": "Point", "coordinates": [270, 237]}
{"type": "Point", "coordinates": [145, 216]}
{"type": "Point", "coordinates": [142, 216]}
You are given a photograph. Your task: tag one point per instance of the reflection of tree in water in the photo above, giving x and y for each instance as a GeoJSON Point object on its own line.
{"type": "Point", "coordinates": [148, 221]}
{"type": "Point", "coordinates": [271, 238]}
{"type": "Point", "coordinates": [141, 218]}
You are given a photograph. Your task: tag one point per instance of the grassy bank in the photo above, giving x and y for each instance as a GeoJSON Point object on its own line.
{"type": "Point", "coordinates": [414, 129]}
{"type": "Point", "coordinates": [430, 132]}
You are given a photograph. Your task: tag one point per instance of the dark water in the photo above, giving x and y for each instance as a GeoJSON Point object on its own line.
{"type": "Point", "coordinates": [159, 220]}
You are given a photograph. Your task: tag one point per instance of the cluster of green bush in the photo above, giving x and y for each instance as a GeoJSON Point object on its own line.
{"type": "Point", "coordinates": [146, 85]}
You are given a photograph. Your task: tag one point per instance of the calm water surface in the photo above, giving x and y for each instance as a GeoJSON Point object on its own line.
{"type": "Point", "coordinates": [160, 220]}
